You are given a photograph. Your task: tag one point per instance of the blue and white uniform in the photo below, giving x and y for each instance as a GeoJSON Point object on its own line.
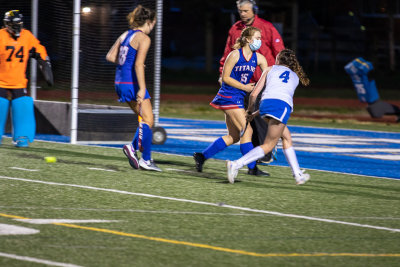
{"type": "Point", "coordinates": [229, 97]}
{"type": "Point", "coordinates": [277, 98]}
{"type": "Point", "coordinates": [126, 84]}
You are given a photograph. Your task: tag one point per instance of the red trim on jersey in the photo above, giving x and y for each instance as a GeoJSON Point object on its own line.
{"type": "Point", "coordinates": [226, 96]}
{"type": "Point", "coordinates": [224, 107]}
{"type": "Point", "coordinates": [245, 57]}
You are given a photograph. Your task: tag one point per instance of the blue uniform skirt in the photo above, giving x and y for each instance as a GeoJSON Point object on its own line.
{"type": "Point", "coordinates": [227, 102]}
{"type": "Point", "coordinates": [275, 108]}
{"type": "Point", "coordinates": [127, 91]}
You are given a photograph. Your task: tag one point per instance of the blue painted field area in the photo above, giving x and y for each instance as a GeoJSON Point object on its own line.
{"type": "Point", "coordinates": [339, 150]}
{"type": "Point", "coordinates": [347, 151]}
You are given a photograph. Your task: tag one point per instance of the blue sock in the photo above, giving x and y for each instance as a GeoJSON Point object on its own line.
{"type": "Point", "coordinates": [146, 142]}
{"type": "Point", "coordinates": [135, 141]}
{"type": "Point", "coordinates": [217, 146]}
{"type": "Point", "coordinates": [245, 148]}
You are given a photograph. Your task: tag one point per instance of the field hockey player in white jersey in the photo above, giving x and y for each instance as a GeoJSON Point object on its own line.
{"type": "Point", "coordinates": [280, 82]}
{"type": "Point", "coordinates": [238, 69]}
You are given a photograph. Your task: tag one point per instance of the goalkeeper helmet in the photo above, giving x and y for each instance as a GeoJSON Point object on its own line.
{"type": "Point", "coordinates": [13, 22]}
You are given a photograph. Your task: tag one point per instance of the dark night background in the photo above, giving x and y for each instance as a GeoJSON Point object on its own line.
{"type": "Point", "coordinates": [325, 35]}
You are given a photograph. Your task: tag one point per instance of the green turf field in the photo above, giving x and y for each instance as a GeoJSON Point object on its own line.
{"type": "Point", "coordinates": [183, 218]}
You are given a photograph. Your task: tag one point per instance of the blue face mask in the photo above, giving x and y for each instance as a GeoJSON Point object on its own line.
{"type": "Point", "coordinates": [255, 45]}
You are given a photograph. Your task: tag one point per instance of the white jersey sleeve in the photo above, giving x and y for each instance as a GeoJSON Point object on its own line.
{"type": "Point", "coordinates": [281, 82]}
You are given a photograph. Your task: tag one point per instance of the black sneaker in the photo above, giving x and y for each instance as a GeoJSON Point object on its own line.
{"type": "Point", "coordinates": [266, 159]}
{"type": "Point", "coordinates": [199, 159]}
{"type": "Point", "coordinates": [257, 172]}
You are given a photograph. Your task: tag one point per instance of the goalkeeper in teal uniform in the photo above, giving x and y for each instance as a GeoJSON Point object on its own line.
{"type": "Point", "coordinates": [129, 53]}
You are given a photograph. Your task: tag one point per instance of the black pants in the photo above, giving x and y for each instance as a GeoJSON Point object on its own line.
{"type": "Point", "coordinates": [15, 93]}
{"type": "Point", "coordinates": [260, 128]}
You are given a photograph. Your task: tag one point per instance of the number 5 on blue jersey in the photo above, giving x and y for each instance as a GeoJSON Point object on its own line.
{"type": "Point", "coordinates": [284, 76]}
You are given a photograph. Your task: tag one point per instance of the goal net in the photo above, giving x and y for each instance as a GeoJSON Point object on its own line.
{"type": "Point", "coordinates": [100, 115]}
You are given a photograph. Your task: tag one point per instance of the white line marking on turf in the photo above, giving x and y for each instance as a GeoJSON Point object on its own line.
{"type": "Point", "coordinates": [8, 229]}
{"type": "Point", "coordinates": [178, 170]}
{"type": "Point", "coordinates": [100, 169]}
{"type": "Point", "coordinates": [22, 169]}
{"type": "Point", "coordinates": [207, 203]}
{"type": "Point", "coordinates": [191, 212]}
{"type": "Point", "coordinates": [47, 262]}
{"type": "Point", "coordinates": [52, 221]}
{"type": "Point", "coordinates": [144, 211]}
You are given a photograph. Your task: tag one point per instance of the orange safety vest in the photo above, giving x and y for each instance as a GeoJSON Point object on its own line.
{"type": "Point", "coordinates": [14, 56]}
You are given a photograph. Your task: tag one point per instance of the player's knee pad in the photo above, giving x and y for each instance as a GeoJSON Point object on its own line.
{"type": "Point", "coordinates": [23, 120]}
{"type": "Point", "coordinates": [4, 106]}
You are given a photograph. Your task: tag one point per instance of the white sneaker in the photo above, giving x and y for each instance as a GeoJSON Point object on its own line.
{"type": "Point", "coordinates": [231, 171]}
{"type": "Point", "coordinates": [130, 153]}
{"type": "Point", "coordinates": [148, 165]}
{"type": "Point", "coordinates": [302, 178]}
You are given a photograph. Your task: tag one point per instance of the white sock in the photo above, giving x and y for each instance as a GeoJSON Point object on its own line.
{"type": "Point", "coordinates": [291, 158]}
{"type": "Point", "coordinates": [253, 155]}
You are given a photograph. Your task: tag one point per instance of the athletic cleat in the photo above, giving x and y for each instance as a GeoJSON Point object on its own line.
{"type": "Point", "coordinates": [231, 171]}
{"type": "Point", "coordinates": [302, 179]}
{"type": "Point", "coordinates": [130, 153]}
{"type": "Point", "coordinates": [257, 172]}
{"type": "Point", "coordinates": [148, 165]}
{"type": "Point", "coordinates": [199, 159]}
{"type": "Point", "coordinates": [267, 159]}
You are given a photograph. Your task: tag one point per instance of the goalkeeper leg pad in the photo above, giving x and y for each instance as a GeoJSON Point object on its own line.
{"type": "Point", "coordinates": [23, 121]}
{"type": "Point", "coordinates": [4, 106]}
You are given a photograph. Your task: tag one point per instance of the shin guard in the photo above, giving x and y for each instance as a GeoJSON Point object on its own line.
{"type": "Point", "coordinates": [23, 121]}
{"type": "Point", "coordinates": [4, 106]}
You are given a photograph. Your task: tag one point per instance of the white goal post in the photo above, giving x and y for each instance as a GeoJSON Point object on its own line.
{"type": "Point", "coordinates": [75, 69]}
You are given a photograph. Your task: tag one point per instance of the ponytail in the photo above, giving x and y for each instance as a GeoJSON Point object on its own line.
{"type": "Point", "coordinates": [139, 16]}
{"type": "Point", "coordinates": [288, 58]}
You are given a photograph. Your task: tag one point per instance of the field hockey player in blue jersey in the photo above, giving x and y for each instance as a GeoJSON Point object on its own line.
{"type": "Point", "coordinates": [238, 69]}
{"type": "Point", "coordinates": [280, 82]}
{"type": "Point", "coordinates": [129, 53]}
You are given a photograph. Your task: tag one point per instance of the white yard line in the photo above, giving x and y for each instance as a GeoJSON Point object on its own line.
{"type": "Point", "coordinates": [22, 169]}
{"type": "Point", "coordinates": [208, 204]}
{"type": "Point", "coordinates": [30, 259]}
{"type": "Point", "coordinates": [8, 229]}
{"type": "Point", "coordinates": [179, 170]}
{"type": "Point", "coordinates": [188, 212]}
{"type": "Point", "coordinates": [100, 169]}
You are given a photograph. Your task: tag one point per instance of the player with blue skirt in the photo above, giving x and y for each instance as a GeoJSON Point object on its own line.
{"type": "Point", "coordinates": [129, 53]}
{"type": "Point", "coordinates": [238, 69]}
{"type": "Point", "coordinates": [279, 83]}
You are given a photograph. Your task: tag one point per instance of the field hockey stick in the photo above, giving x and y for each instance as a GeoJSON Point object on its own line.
{"type": "Point", "coordinates": [245, 128]}
{"type": "Point", "coordinates": [247, 123]}
{"type": "Point", "coordinates": [140, 119]}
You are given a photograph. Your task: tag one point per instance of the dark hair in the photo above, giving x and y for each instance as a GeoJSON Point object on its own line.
{"type": "Point", "coordinates": [140, 15]}
{"type": "Point", "coordinates": [288, 58]}
{"type": "Point", "coordinates": [247, 33]}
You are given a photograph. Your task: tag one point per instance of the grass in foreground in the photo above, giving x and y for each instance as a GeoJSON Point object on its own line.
{"type": "Point", "coordinates": [155, 231]}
